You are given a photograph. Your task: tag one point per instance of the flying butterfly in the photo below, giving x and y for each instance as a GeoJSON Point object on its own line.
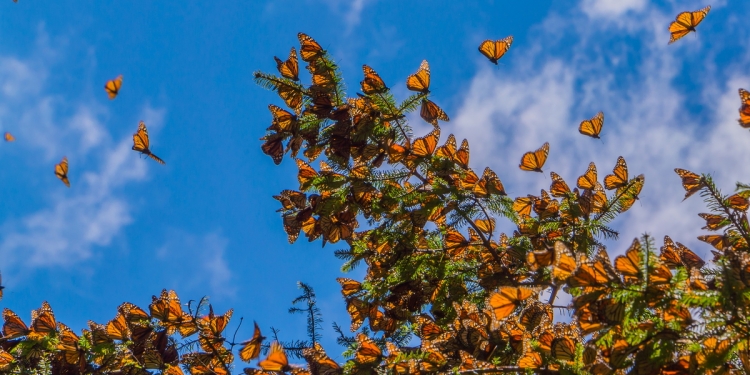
{"type": "Point", "coordinates": [141, 142]}
{"type": "Point", "coordinates": [9, 137]}
{"type": "Point", "coordinates": [309, 49]}
{"type": "Point", "coordinates": [534, 160]}
{"type": "Point", "coordinates": [431, 113]}
{"type": "Point", "coordinates": [691, 182]}
{"type": "Point", "coordinates": [745, 109]}
{"type": "Point", "coordinates": [290, 67]}
{"type": "Point", "coordinates": [589, 179]}
{"type": "Point", "coordinates": [251, 348]}
{"type": "Point", "coordinates": [112, 87]}
{"type": "Point", "coordinates": [61, 171]}
{"type": "Point", "coordinates": [276, 360]}
{"type": "Point", "coordinates": [686, 22]}
{"type": "Point", "coordinates": [619, 176]}
{"type": "Point", "coordinates": [593, 126]}
{"type": "Point", "coordinates": [494, 50]}
{"type": "Point", "coordinates": [489, 184]}
{"type": "Point", "coordinates": [372, 84]}
{"type": "Point", "coordinates": [420, 81]}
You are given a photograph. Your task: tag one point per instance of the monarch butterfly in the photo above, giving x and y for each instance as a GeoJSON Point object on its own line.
{"type": "Point", "coordinates": [212, 327]}
{"type": "Point", "coordinates": [133, 313]}
{"type": "Point", "coordinates": [494, 50]}
{"type": "Point", "coordinates": [714, 222]}
{"type": "Point", "coordinates": [631, 195]}
{"type": "Point", "coordinates": [489, 184]}
{"type": "Point", "coordinates": [9, 137]}
{"type": "Point", "coordinates": [431, 113]}
{"type": "Point", "coordinates": [506, 299]}
{"type": "Point", "coordinates": [290, 67]}
{"type": "Point", "coordinates": [251, 348]}
{"type": "Point", "coordinates": [559, 188]}
{"type": "Point", "coordinates": [61, 171]}
{"type": "Point", "coordinates": [593, 201]}
{"type": "Point", "coordinates": [273, 147]}
{"type": "Point", "coordinates": [349, 286]}
{"type": "Point", "coordinates": [717, 241]}
{"type": "Point", "coordinates": [593, 126]}
{"type": "Point", "coordinates": [291, 199]}
{"type": "Point", "coordinates": [563, 348]}
{"type": "Point", "coordinates": [68, 344]}
{"type": "Point", "coordinates": [629, 265]}
{"type": "Point", "coordinates": [167, 309]}
{"type": "Point", "coordinates": [43, 321]}
{"type": "Point", "coordinates": [309, 49]}
{"type": "Point", "coordinates": [283, 121]}
{"type": "Point", "coordinates": [367, 352]}
{"type": "Point", "coordinates": [737, 202]}
{"type": "Point", "coordinates": [745, 109]}
{"type": "Point", "coordinates": [427, 329]}
{"type": "Point", "coordinates": [530, 359]}
{"type": "Point", "coordinates": [534, 160]}
{"type": "Point", "coordinates": [276, 360]}
{"type": "Point", "coordinates": [455, 243]}
{"type": "Point", "coordinates": [358, 310]}
{"type": "Point", "coordinates": [112, 87]}
{"type": "Point", "coordinates": [565, 262]}
{"type": "Point", "coordinates": [13, 326]}
{"type": "Point", "coordinates": [117, 328]}
{"type": "Point", "coordinates": [686, 22]}
{"type": "Point", "coordinates": [5, 359]}
{"type": "Point", "coordinates": [291, 95]}
{"type": "Point", "coordinates": [691, 182]}
{"type": "Point", "coordinates": [372, 84]}
{"type": "Point", "coordinates": [425, 146]}
{"type": "Point", "coordinates": [588, 180]}
{"type": "Point", "coordinates": [468, 362]}
{"type": "Point", "coordinates": [141, 142]}
{"type": "Point", "coordinates": [420, 81]}
{"type": "Point", "coordinates": [619, 176]}
{"type": "Point", "coordinates": [592, 274]}
{"type": "Point", "coordinates": [1, 286]}
{"type": "Point", "coordinates": [319, 362]}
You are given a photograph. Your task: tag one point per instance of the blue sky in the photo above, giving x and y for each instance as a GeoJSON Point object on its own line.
{"type": "Point", "coordinates": [204, 224]}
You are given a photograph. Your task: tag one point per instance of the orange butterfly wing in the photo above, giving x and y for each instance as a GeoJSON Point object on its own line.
{"type": "Point", "coordinates": [593, 126]}
{"type": "Point", "coordinates": [494, 50]}
{"type": "Point", "coordinates": [686, 22]}
{"type": "Point", "coordinates": [9, 137]}
{"type": "Point", "coordinates": [745, 109]}
{"type": "Point", "coordinates": [61, 171]}
{"type": "Point", "coordinates": [372, 84]}
{"type": "Point", "coordinates": [589, 179]}
{"type": "Point", "coordinates": [310, 50]}
{"type": "Point", "coordinates": [420, 81]}
{"type": "Point", "coordinates": [141, 142]}
{"type": "Point", "coordinates": [290, 67]}
{"type": "Point", "coordinates": [431, 113]}
{"type": "Point", "coordinates": [534, 160]}
{"type": "Point", "coordinates": [112, 87]}
{"type": "Point", "coordinates": [276, 360]}
{"type": "Point", "coordinates": [619, 176]}
{"type": "Point", "coordinates": [251, 348]}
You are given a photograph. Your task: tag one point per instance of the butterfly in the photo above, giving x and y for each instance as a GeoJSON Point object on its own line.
{"type": "Point", "coordinates": [112, 87]}
{"type": "Point", "coordinates": [283, 121]}
{"type": "Point", "coordinates": [420, 81]}
{"type": "Point", "coordinates": [212, 327]}
{"type": "Point", "coordinates": [43, 321]}
{"type": "Point", "coordinates": [68, 345]}
{"type": "Point", "coordinates": [309, 49]}
{"type": "Point", "coordinates": [714, 222]}
{"type": "Point", "coordinates": [588, 180]}
{"type": "Point", "coordinates": [559, 188]}
{"type": "Point", "coordinates": [674, 255]}
{"type": "Point", "coordinates": [494, 50]}
{"type": "Point", "coordinates": [534, 160]}
{"type": "Point", "coordinates": [141, 143]}
{"type": "Point", "coordinates": [506, 299]}
{"type": "Point", "coordinates": [425, 146]}
{"type": "Point", "coordinates": [1, 286]}
{"type": "Point", "coordinates": [629, 197]}
{"type": "Point", "coordinates": [290, 67]}
{"type": "Point", "coordinates": [563, 348]}
{"type": "Point", "coordinates": [61, 171]}
{"type": "Point", "coordinates": [489, 184]}
{"type": "Point", "coordinates": [737, 202]}
{"type": "Point", "coordinates": [13, 326]}
{"type": "Point", "coordinates": [273, 147]}
{"type": "Point", "coordinates": [9, 137]}
{"type": "Point", "coordinates": [251, 348]}
{"type": "Point", "coordinates": [691, 182]}
{"type": "Point", "coordinates": [686, 22]}
{"type": "Point", "coordinates": [565, 262]}
{"type": "Point", "coordinates": [372, 84]}
{"type": "Point", "coordinates": [117, 328]}
{"type": "Point", "coordinates": [319, 362]}
{"type": "Point", "coordinates": [745, 109]}
{"type": "Point", "coordinates": [431, 113]}
{"type": "Point", "coordinates": [349, 286]}
{"type": "Point", "coordinates": [629, 265]}
{"type": "Point", "coordinates": [367, 352]}
{"type": "Point", "coordinates": [593, 126]}
{"type": "Point", "coordinates": [619, 176]}
{"type": "Point", "coordinates": [276, 360]}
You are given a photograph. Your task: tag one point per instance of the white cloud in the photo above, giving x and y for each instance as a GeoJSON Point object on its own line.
{"type": "Point", "coordinates": [610, 8]}
{"type": "Point", "coordinates": [73, 222]}
{"type": "Point", "coordinates": [351, 10]}
{"type": "Point", "coordinates": [649, 118]}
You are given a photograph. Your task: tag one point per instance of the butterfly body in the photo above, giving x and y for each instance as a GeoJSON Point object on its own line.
{"type": "Point", "coordinates": [141, 143]}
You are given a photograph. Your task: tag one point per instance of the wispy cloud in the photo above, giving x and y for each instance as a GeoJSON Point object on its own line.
{"type": "Point", "coordinates": [350, 9]}
{"type": "Point", "coordinates": [640, 83]}
{"type": "Point", "coordinates": [74, 222]}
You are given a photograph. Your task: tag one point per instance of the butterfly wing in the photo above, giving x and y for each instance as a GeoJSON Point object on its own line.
{"type": "Point", "coordinates": [686, 22]}
{"type": "Point", "coordinates": [432, 113]}
{"type": "Point", "coordinates": [372, 84]}
{"type": "Point", "coordinates": [61, 171]}
{"type": "Point", "coordinates": [309, 49]}
{"type": "Point", "coordinates": [534, 161]}
{"type": "Point", "coordinates": [112, 87]}
{"type": "Point", "coordinates": [494, 50]}
{"type": "Point", "coordinates": [745, 109]}
{"type": "Point", "coordinates": [559, 188]}
{"type": "Point", "coordinates": [290, 67]}
{"type": "Point", "coordinates": [589, 179]}
{"type": "Point", "coordinates": [593, 126]}
{"type": "Point", "coordinates": [420, 81]}
{"type": "Point", "coordinates": [619, 176]}
{"type": "Point", "coordinates": [9, 137]}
